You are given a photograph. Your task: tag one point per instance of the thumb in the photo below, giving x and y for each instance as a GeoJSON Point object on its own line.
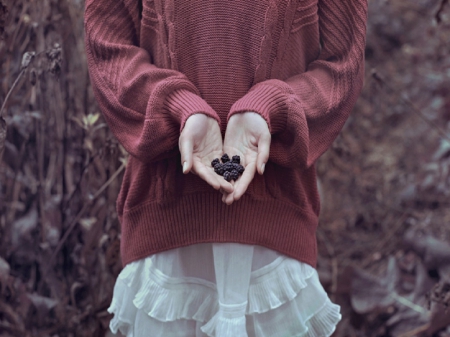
{"type": "Point", "coordinates": [186, 149]}
{"type": "Point", "coordinates": [263, 152]}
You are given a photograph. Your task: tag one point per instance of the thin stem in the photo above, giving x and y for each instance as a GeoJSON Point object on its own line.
{"type": "Point", "coordinates": [83, 210]}
{"type": "Point", "coordinates": [409, 304]}
{"type": "Point", "coordinates": [406, 101]}
{"type": "Point", "coordinates": [11, 90]}
{"type": "Point", "coordinates": [17, 80]}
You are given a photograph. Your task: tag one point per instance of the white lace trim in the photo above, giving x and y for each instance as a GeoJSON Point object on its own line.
{"type": "Point", "coordinates": [228, 321]}
{"type": "Point", "coordinates": [276, 284]}
{"type": "Point", "coordinates": [323, 323]}
{"type": "Point", "coordinates": [168, 299]}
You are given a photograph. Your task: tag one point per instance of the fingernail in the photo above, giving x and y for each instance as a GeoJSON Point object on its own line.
{"type": "Point", "coordinates": [263, 166]}
{"type": "Point", "coordinates": [185, 167]}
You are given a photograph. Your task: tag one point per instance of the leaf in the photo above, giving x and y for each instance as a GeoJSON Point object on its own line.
{"type": "Point", "coordinates": [54, 57]}
{"type": "Point", "coordinates": [41, 302]}
{"type": "Point", "coordinates": [440, 11]}
{"type": "Point", "coordinates": [52, 236]}
{"type": "Point", "coordinates": [4, 269]}
{"type": "Point", "coordinates": [435, 253]}
{"type": "Point", "coordinates": [27, 58]}
{"type": "Point", "coordinates": [92, 118]}
{"type": "Point", "coordinates": [89, 120]}
{"type": "Point", "coordinates": [85, 122]}
{"type": "Point", "coordinates": [124, 160]}
{"type": "Point", "coordinates": [87, 223]}
{"type": "Point", "coordinates": [24, 123]}
{"type": "Point", "coordinates": [88, 144]}
{"type": "Point", "coordinates": [443, 150]}
{"type": "Point", "coordinates": [369, 292]}
{"type": "Point", "coordinates": [22, 228]}
{"type": "Point", "coordinates": [3, 128]}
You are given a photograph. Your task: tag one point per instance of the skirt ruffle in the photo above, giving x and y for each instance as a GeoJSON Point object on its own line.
{"type": "Point", "coordinates": [285, 298]}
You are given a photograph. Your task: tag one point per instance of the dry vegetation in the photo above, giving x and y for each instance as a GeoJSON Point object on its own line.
{"type": "Point", "coordinates": [384, 237]}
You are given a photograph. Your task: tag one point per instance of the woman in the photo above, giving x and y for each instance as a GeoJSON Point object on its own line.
{"type": "Point", "coordinates": [185, 81]}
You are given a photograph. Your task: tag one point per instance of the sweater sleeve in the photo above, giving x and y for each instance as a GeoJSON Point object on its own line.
{"type": "Point", "coordinates": [145, 106]}
{"type": "Point", "coordinates": [306, 112]}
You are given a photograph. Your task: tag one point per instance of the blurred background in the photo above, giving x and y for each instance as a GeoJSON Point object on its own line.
{"type": "Point", "coordinates": [384, 236]}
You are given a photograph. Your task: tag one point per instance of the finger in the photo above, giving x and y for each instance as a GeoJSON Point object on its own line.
{"type": "Point", "coordinates": [226, 186]}
{"type": "Point", "coordinates": [226, 191]}
{"type": "Point", "coordinates": [229, 199]}
{"type": "Point", "coordinates": [212, 178]}
{"type": "Point", "coordinates": [245, 180]}
{"type": "Point", "coordinates": [186, 149]}
{"type": "Point", "coordinates": [263, 152]}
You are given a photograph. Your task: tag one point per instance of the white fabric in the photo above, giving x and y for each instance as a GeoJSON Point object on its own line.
{"type": "Point", "coordinates": [221, 290]}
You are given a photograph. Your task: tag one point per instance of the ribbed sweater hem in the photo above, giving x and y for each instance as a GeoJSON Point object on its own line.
{"type": "Point", "coordinates": [199, 218]}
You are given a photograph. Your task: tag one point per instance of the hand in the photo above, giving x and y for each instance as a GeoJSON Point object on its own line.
{"type": "Point", "coordinates": [248, 136]}
{"type": "Point", "coordinates": [199, 143]}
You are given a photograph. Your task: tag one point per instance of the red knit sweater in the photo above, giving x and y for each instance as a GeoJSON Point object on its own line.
{"type": "Point", "coordinates": [154, 63]}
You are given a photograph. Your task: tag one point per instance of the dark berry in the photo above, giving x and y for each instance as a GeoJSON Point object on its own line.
{"type": "Point", "coordinates": [215, 161]}
{"type": "Point", "coordinates": [228, 166]}
{"type": "Point", "coordinates": [218, 168]}
{"type": "Point", "coordinates": [229, 169]}
{"type": "Point", "coordinates": [227, 176]}
{"type": "Point", "coordinates": [234, 175]}
{"type": "Point", "coordinates": [225, 158]}
{"type": "Point", "coordinates": [239, 168]}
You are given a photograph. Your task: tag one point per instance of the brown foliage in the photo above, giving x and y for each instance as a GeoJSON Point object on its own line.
{"type": "Point", "coordinates": [58, 227]}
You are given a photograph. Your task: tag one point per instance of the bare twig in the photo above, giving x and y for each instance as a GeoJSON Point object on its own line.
{"type": "Point", "coordinates": [78, 184]}
{"type": "Point", "coordinates": [83, 210]}
{"type": "Point", "coordinates": [416, 332]}
{"type": "Point", "coordinates": [11, 90]}
{"type": "Point", "coordinates": [28, 58]}
{"type": "Point", "coordinates": [406, 302]}
{"type": "Point", "coordinates": [406, 101]}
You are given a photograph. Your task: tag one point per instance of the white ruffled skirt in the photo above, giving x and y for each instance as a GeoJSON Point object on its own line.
{"type": "Point", "coordinates": [221, 290]}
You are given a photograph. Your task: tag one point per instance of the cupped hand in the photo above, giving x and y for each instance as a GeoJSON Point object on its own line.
{"type": "Point", "coordinates": [248, 136]}
{"type": "Point", "coordinates": [199, 143]}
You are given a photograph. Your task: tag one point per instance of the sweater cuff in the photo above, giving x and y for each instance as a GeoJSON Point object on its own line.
{"type": "Point", "coordinates": [267, 100]}
{"type": "Point", "coordinates": [182, 104]}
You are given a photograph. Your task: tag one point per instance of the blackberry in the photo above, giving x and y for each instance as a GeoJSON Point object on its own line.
{"type": "Point", "coordinates": [215, 161]}
{"type": "Point", "coordinates": [227, 176]}
{"type": "Point", "coordinates": [228, 166]}
{"type": "Point", "coordinates": [229, 169]}
{"type": "Point", "coordinates": [234, 175]}
{"type": "Point", "coordinates": [239, 168]}
{"type": "Point", "coordinates": [225, 158]}
{"type": "Point", "coordinates": [218, 168]}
